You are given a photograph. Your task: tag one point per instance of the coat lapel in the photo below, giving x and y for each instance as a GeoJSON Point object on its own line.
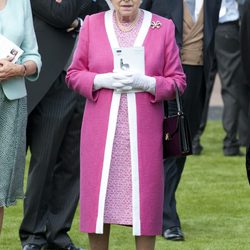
{"type": "Point", "coordinates": [144, 29]}
{"type": "Point", "coordinates": [211, 11]}
{"type": "Point", "coordinates": [132, 119]}
{"type": "Point", "coordinates": [208, 29]}
{"type": "Point", "coordinates": [110, 29]}
{"type": "Point", "coordinates": [175, 12]}
{"type": "Point", "coordinates": [110, 133]}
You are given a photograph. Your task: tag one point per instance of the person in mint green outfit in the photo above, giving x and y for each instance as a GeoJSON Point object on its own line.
{"type": "Point", "coordinates": [16, 24]}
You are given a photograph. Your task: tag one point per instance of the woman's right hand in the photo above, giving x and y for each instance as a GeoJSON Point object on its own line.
{"type": "Point", "coordinates": [111, 81]}
{"type": "Point", "coordinates": [9, 69]}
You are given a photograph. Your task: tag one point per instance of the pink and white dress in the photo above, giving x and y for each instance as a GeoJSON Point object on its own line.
{"type": "Point", "coordinates": [118, 204]}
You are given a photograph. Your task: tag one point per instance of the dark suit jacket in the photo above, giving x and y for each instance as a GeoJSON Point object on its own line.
{"type": "Point", "coordinates": [55, 44]}
{"type": "Point", "coordinates": [245, 38]}
{"type": "Point", "coordinates": [173, 9]}
{"type": "Point", "coordinates": [245, 47]}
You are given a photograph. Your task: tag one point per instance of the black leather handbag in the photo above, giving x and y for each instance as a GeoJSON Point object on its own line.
{"type": "Point", "coordinates": [176, 134]}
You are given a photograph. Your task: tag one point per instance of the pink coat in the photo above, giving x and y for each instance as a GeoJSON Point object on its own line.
{"type": "Point", "coordinates": [93, 56]}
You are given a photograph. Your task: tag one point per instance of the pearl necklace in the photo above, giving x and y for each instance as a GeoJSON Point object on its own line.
{"type": "Point", "coordinates": [126, 27]}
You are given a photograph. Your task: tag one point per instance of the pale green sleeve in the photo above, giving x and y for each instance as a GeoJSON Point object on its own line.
{"type": "Point", "coordinates": [29, 44]}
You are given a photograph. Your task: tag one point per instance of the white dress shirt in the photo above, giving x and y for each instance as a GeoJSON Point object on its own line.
{"type": "Point", "coordinates": [228, 11]}
{"type": "Point", "coordinates": [194, 8]}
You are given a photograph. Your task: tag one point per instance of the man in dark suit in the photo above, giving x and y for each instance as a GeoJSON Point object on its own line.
{"type": "Point", "coordinates": [245, 49]}
{"type": "Point", "coordinates": [53, 132]}
{"type": "Point", "coordinates": [234, 90]}
{"type": "Point", "coordinates": [245, 37]}
{"type": "Point", "coordinates": [197, 66]}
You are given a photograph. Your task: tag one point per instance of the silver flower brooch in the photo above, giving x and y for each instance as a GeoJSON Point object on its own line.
{"type": "Point", "coordinates": [155, 24]}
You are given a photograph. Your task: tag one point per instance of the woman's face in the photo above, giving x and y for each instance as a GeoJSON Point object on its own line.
{"type": "Point", "coordinates": [126, 8]}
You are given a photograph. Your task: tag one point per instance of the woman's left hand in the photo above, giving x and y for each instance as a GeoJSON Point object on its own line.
{"type": "Point", "coordinates": [140, 81]}
{"type": "Point", "coordinates": [9, 69]}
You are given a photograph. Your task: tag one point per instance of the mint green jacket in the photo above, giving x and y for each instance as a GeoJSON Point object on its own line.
{"type": "Point", "coordinates": [16, 23]}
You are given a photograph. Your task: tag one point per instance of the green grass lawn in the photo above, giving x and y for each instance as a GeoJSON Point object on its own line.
{"type": "Point", "coordinates": [213, 203]}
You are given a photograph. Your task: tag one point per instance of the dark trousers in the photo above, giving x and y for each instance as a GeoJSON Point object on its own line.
{"type": "Point", "coordinates": [243, 125]}
{"type": "Point", "coordinates": [248, 147]}
{"type": "Point", "coordinates": [234, 90]}
{"type": "Point", "coordinates": [209, 89]}
{"type": "Point", "coordinates": [227, 50]}
{"type": "Point", "coordinates": [193, 103]}
{"type": "Point", "coordinates": [53, 136]}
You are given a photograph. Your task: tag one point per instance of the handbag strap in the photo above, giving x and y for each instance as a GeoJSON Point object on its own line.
{"type": "Point", "coordinates": [178, 100]}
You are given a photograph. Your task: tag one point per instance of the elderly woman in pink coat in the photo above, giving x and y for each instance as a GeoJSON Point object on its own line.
{"type": "Point", "coordinates": [121, 137]}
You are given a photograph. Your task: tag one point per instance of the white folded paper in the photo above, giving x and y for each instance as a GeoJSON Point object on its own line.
{"type": "Point", "coordinates": [8, 49]}
{"type": "Point", "coordinates": [129, 59]}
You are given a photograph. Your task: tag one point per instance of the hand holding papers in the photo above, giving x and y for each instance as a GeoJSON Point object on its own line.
{"type": "Point", "coordinates": [130, 62]}
{"type": "Point", "coordinates": [9, 50]}
{"type": "Point", "coordinates": [130, 59]}
{"type": "Point", "coordinates": [110, 81]}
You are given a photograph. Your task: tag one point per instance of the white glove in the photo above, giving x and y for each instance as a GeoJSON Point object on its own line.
{"type": "Point", "coordinates": [139, 81]}
{"type": "Point", "coordinates": [111, 81]}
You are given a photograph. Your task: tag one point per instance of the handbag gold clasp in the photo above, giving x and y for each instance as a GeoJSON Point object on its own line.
{"type": "Point", "coordinates": [168, 137]}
